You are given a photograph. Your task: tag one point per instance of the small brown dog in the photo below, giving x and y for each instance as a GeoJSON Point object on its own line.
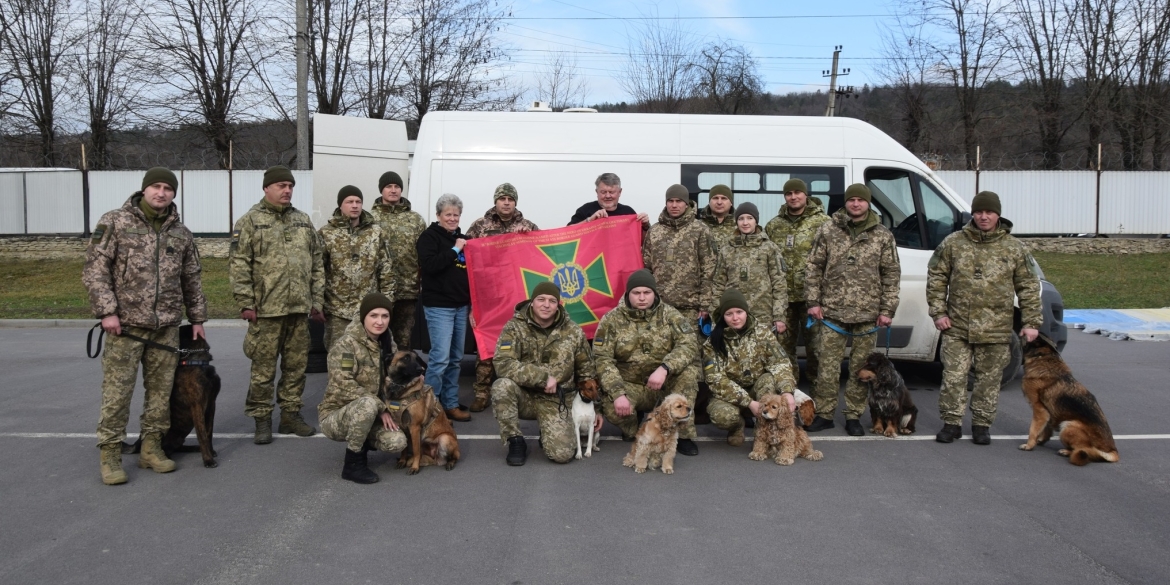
{"type": "Point", "coordinates": [778, 436]}
{"type": "Point", "coordinates": [430, 438]}
{"type": "Point", "coordinates": [890, 406]}
{"type": "Point", "coordinates": [1060, 402]}
{"type": "Point", "coordinates": [657, 438]}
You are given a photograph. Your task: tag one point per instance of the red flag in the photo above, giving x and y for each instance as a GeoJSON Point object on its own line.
{"type": "Point", "coordinates": [588, 261]}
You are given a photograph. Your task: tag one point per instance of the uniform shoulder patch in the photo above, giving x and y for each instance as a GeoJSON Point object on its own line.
{"type": "Point", "coordinates": [347, 361]}
{"type": "Point", "coordinates": [504, 345]}
{"type": "Point", "coordinates": [709, 365]}
{"type": "Point", "coordinates": [99, 232]}
{"type": "Point", "coordinates": [598, 341]}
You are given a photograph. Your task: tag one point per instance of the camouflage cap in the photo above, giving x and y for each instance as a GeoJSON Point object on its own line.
{"type": "Point", "coordinates": [858, 190]}
{"type": "Point", "coordinates": [160, 175]}
{"type": "Point", "coordinates": [723, 190]}
{"type": "Point", "coordinates": [505, 190]}
{"type": "Point", "coordinates": [986, 201]}
{"type": "Point", "coordinates": [794, 184]}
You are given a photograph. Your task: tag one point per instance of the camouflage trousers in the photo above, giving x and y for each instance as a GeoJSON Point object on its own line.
{"type": "Point", "coordinates": [511, 403]}
{"type": "Point", "coordinates": [120, 370]}
{"type": "Point", "coordinates": [957, 356]}
{"type": "Point", "coordinates": [644, 399]}
{"type": "Point", "coordinates": [268, 339]}
{"type": "Point", "coordinates": [357, 422]}
{"type": "Point", "coordinates": [831, 346]}
{"type": "Point", "coordinates": [728, 416]}
{"type": "Point", "coordinates": [334, 329]}
{"type": "Point", "coordinates": [796, 319]}
{"type": "Point", "coordinates": [402, 322]}
{"type": "Point", "coordinates": [485, 374]}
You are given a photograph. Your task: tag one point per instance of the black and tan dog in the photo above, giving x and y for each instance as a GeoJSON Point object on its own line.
{"type": "Point", "coordinates": [430, 438]}
{"type": "Point", "coordinates": [192, 401]}
{"type": "Point", "coordinates": [1059, 401]}
{"type": "Point", "coordinates": [890, 406]}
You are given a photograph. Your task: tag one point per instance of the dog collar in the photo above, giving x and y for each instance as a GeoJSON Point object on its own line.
{"type": "Point", "coordinates": [194, 362]}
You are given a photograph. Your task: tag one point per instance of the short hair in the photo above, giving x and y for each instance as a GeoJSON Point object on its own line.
{"type": "Point", "coordinates": [448, 200]}
{"type": "Point", "coordinates": [610, 180]}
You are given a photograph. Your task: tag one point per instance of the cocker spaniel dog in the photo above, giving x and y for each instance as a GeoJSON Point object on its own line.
{"type": "Point", "coordinates": [778, 436]}
{"type": "Point", "coordinates": [657, 438]}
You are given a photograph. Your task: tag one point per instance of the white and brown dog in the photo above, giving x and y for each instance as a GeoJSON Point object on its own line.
{"type": "Point", "coordinates": [584, 417]}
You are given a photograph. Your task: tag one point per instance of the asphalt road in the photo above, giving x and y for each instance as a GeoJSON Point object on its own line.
{"type": "Point", "coordinates": [874, 511]}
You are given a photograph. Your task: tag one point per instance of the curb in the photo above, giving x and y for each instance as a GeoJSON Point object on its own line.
{"type": "Point", "coordinates": [87, 323]}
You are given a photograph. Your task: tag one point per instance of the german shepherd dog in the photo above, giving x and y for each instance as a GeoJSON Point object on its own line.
{"type": "Point", "coordinates": [1060, 403]}
{"type": "Point", "coordinates": [192, 401]}
{"type": "Point", "coordinates": [429, 434]}
{"type": "Point", "coordinates": [890, 406]}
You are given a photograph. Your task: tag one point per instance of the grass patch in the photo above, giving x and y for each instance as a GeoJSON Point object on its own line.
{"type": "Point", "coordinates": [1106, 281]}
{"type": "Point", "coordinates": [52, 289]}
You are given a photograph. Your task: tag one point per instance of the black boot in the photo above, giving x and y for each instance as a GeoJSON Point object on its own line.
{"type": "Point", "coordinates": [356, 468]}
{"type": "Point", "coordinates": [949, 433]}
{"type": "Point", "coordinates": [980, 435]}
{"type": "Point", "coordinates": [686, 447]}
{"type": "Point", "coordinates": [853, 428]}
{"type": "Point", "coordinates": [517, 451]}
{"type": "Point", "coordinates": [820, 424]}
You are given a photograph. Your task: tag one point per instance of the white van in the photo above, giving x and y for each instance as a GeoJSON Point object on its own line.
{"type": "Point", "coordinates": [553, 159]}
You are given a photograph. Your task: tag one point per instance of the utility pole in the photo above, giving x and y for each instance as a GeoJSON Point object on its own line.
{"type": "Point", "coordinates": [302, 85]}
{"type": "Point", "coordinates": [832, 75]}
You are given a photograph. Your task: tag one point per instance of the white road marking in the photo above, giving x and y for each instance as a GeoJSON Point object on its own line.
{"type": "Point", "coordinates": [134, 436]}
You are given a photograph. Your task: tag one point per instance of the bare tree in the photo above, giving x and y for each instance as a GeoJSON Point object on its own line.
{"type": "Point", "coordinates": [332, 27]}
{"type": "Point", "coordinates": [727, 78]}
{"type": "Point", "coordinates": [907, 68]}
{"type": "Point", "coordinates": [103, 68]}
{"type": "Point", "coordinates": [1096, 35]}
{"type": "Point", "coordinates": [1140, 62]}
{"type": "Point", "coordinates": [381, 59]}
{"type": "Point", "coordinates": [33, 41]}
{"type": "Point", "coordinates": [200, 49]}
{"type": "Point", "coordinates": [658, 73]}
{"type": "Point", "coordinates": [451, 50]}
{"type": "Point", "coordinates": [560, 83]}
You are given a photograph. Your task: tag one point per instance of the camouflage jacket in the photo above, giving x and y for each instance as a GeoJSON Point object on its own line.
{"type": "Point", "coordinates": [853, 278]}
{"type": "Point", "coordinates": [974, 278]}
{"type": "Point", "coordinates": [402, 227]}
{"type": "Point", "coordinates": [357, 262]}
{"type": "Point", "coordinates": [721, 231]}
{"type": "Point", "coordinates": [682, 254]}
{"type": "Point", "coordinates": [355, 370]}
{"type": "Point", "coordinates": [143, 276]}
{"type": "Point", "coordinates": [752, 352]}
{"type": "Point", "coordinates": [528, 354]}
{"type": "Point", "coordinates": [276, 266]}
{"type": "Point", "coordinates": [751, 263]}
{"type": "Point", "coordinates": [492, 225]}
{"type": "Point", "coordinates": [630, 344]}
{"type": "Point", "coordinates": [794, 237]}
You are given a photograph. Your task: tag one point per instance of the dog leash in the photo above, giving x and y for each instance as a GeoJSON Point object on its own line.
{"type": "Point", "coordinates": [182, 353]}
{"type": "Point", "coordinates": [835, 327]}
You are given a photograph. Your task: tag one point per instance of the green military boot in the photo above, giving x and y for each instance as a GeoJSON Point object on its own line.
{"type": "Point", "coordinates": [152, 455]}
{"type": "Point", "coordinates": [263, 430]}
{"type": "Point", "coordinates": [112, 473]}
{"type": "Point", "coordinates": [291, 423]}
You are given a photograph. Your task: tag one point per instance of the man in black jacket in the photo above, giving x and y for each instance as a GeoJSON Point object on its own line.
{"type": "Point", "coordinates": [609, 191]}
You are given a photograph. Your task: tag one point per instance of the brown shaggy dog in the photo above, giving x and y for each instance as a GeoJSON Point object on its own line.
{"type": "Point", "coordinates": [658, 436]}
{"type": "Point", "coordinates": [1060, 402]}
{"type": "Point", "coordinates": [890, 406]}
{"type": "Point", "coordinates": [414, 408]}
{"type": "Point", "coordinates": [778, 436]}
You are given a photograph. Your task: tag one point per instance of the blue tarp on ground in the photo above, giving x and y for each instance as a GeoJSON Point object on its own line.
{"type": "Point", "coordinates": [1133, 324]}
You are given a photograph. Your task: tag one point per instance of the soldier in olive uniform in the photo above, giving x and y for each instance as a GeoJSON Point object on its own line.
{"type": "Point", "coordinates": [718, 214]}
{"type": "Point", "coordinates": [402, 228]}
{"type": "Point", "coordinates": [141, 270]}
{"type": "Point", "coordinates": [540, 353]}
{"type": "Point", "coordinates": [743, 364]}
{"type": "Point", "coordinates": [792, 230]}
{"type": "Point", "coordinates": [974, 278]}
{"type": "Point", "coordinates": [355, 253]}
{"type": "Point", "coordinates": [645, 350]}
{"type": "Point", "coordinates": [752, 265]}
{"type": "Point", "coordinates": [352, 409]}
{"type": "Point", "coordinates": [278, 278]}
{"type": "Point", "coordinates": [682, 255]}
{"type": "Point", "coordinates": [502, 218]}
{"type": "Point", "coordinates": [852, 282]}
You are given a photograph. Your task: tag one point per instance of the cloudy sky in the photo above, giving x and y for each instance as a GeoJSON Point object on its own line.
{"type": "Point", "coordinates": [792, 41]}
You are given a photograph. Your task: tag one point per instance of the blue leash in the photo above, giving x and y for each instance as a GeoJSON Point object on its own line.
{"type": "Point", "coordinates": [835, 327]}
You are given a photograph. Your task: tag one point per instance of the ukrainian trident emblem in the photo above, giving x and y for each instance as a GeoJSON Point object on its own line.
{"type": "Point", "coordinates": [572, 278]}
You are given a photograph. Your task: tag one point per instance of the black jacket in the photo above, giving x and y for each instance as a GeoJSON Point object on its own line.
{"type": "Point", "coordinates": [444, 271]}
{"type": "Point", "coordinates": [592, 207]}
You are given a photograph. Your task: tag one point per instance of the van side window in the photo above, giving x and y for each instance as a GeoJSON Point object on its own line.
{"type": "Point", "coordinates": [941, 218]}
{"type": "Point", "coordinates": [764, 184]}
{"type": "Point", "coordinates": [914, 209]}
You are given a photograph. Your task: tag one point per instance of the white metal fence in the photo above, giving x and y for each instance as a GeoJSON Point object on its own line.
{"type": "Point", "coordinates": [35, 201]}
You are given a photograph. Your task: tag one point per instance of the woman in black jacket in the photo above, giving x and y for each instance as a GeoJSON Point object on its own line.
{"type": "Point", "coordinates": [446, 301]}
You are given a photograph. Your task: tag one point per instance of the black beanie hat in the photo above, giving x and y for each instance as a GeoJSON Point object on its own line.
{"type": "Point", "coordinates": [278, 174]}
{"type": "Point", "coordinates": [639, 278]}
{"type": "Point", "coordinates": [677, 192]}
{"type": "Point", "coordinates": [723, 190]}
{"type": "Point", "coordinates": [795, 185]}
{"type": "Point", "coordinates": [389, 178]}
{"type": "Point", "coordinates": [546, 288]}
{"type": "Point", "coordinates": [749, 208]}
{"type": "Point", "coordinates": [858, 190]}
{"type": "Point", "coordinates": [731, 299]}
{"type": "Point", "coordinates": [986, 201]}
{"type": "Point", "coordinates": [160, 175]}
{"type": "Point", "coordinates": [348, 191]}
{"type": "Point", "coordinates": [375, 301]}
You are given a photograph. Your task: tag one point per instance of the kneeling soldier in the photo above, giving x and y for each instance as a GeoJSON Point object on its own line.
{"type": "Point", "coordinates": [352, 409]}
{"type": "Point", "coordinates": [644, 350]}
{"type": "Point", "coordinates": [541, 356]}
